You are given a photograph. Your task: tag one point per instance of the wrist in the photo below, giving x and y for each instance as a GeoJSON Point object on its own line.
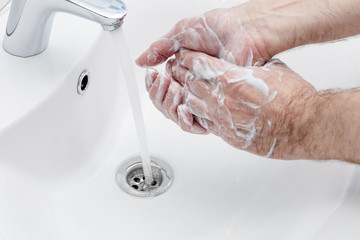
{"type": "Point", "coordinates": [294, 129]}
{"type": "Point", "coordinates": [270, 33]}
{"type": "Point", "coordinates": [324, 126]}
{"type": "Point", "coordinates": [287, 24]}
{"type": "Point", "coordinates": [318, 141]}
{"type": "Point", "coordinates": [337, 127]}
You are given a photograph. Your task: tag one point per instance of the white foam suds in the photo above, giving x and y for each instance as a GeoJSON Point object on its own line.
{"type": "Point", "coordinates": [251, 105]}
{"type": "Point", "coordinates": [182, 115]}
{"type": "Point", "coordinates": [205, 70]}
{"type": "Point", "coordinates": [161, 91]}
{"type": "Point", "coordinates": [271, 149]}
{"type": "Point", "coordinates": [148, 79]}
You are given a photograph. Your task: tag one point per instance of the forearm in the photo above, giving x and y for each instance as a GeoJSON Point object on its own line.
{"type": "Point", "coordinates": [285, 24]}
{"type": "Point", "coordinates": [333, 132]}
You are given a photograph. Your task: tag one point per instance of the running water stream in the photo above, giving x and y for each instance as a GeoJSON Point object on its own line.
{"type": "Point", "coordinates": [129, 75]}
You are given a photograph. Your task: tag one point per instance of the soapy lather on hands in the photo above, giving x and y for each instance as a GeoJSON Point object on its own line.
{"type": "Point", "coordinates": [223, 81]}
{"type": "Point", "coordinates": [244, 106]}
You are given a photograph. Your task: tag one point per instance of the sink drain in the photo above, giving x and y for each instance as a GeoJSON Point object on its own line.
{"type": "Point", "coordinates": [130, 177]}
{"type": "Point", "coordinates": [136, 178]}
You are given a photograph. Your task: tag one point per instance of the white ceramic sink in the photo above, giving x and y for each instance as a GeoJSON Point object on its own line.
{"type": "Point", "coordinates": [59, 151]}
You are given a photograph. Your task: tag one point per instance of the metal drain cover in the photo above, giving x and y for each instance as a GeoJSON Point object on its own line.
{"type": "Point", "coordinates": [130, 177]}
{"type": "Point", "coordinates": [136, 179]}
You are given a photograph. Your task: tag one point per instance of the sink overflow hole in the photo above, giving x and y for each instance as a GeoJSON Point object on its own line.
{"type": "Point", "coordinates": [83, 82]}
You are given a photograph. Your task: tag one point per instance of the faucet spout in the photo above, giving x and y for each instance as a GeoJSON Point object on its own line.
{"type": "Point", "coordinates": [109, 14]}
{"type": "Point", "coordinates": [30, 21]}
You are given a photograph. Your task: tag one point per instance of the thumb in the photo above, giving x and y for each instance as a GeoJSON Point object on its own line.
{"type": "Point", "coordinates": [158, 52]}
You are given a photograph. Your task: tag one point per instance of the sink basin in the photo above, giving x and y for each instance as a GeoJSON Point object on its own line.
{"type": "Point", "coordinates": [60, 151]}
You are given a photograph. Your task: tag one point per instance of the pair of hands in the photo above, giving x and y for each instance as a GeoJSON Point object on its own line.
{"type": "Point", "coordinates": [247, 107]}
{"type": "Point", "coordinates": [221, 81]}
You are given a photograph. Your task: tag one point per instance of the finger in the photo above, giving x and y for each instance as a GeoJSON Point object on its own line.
{"type": "Point", "coordinates": [179, 73]}
{"type": "Point", "coordinates": [158, 90]}
{"type": "Point", "coordinates": [187, 123]}
{"type": "Point", "coordinates": [199, 87]}
{"type": "Point", "coordinates": [191, 33]}
{"type": "Point", "coordinates": [158, 52]}
{"type": "Point", "coordinates": [198, 38]}
{"type": "Point", "coordinates": [164, 48]}
{"type": "Point", "coordinates": [205, 123]}
{"type": "Point", "coordinates": [169, 64]}
{"type": "Point", "coordinates": [195, 105]}
{"type": "Point", "coordinates": [172, 100]}
{"type": "Point", "coordinates": [150, 76]}
{"type": "Point", "coordinates": [195, 34]}
{"type": "Point", "coordinates": [202, 65]}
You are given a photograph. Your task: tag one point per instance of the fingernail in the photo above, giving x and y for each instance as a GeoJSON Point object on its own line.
{"type": "Point", "coordinates": [180, 58]}
{"type": "Point", "coordinates": [162, 88]}
{"type": "Point", "coordinates": [168, 66]}
{"type": "Point", "coordinates": [149, 77]}
{"type": "Point", "coordinates": [176, 46]}
{"type": "Point", "coordinates": [178, 55]}
{"type": "Point", "coordinates": [182, 109]}
{"type": "Point", "coordinates": [202, 123]}
{"type": "Point", "coordinates": [176, 64]}
{"type": "Point", "coordinates": [174, 69]}
{"type": "Point", "coordinates": [151, 57]}
{"type": "Point", "coordinates": [183, 51]}
{"type": "Point", "coordinates": [137, 62]}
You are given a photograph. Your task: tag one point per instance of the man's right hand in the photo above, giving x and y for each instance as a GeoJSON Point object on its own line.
{"type": "Point", "coordinates": [257, 30]}
{"type": "Point", "coordinates": [221, 33]}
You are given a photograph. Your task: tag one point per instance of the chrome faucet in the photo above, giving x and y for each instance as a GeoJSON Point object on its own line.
{"type": "Point", "coordinates": [29, 24]}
